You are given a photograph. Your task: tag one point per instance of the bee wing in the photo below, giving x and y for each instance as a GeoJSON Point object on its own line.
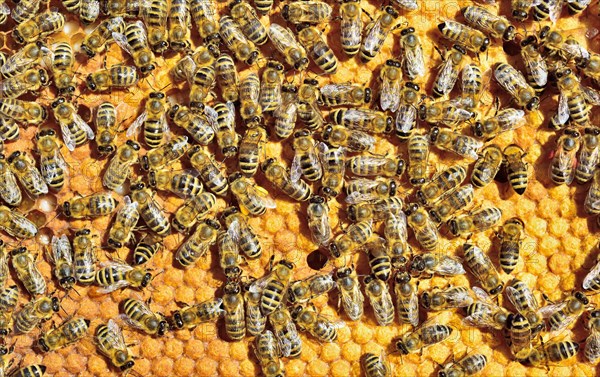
{"type": "Point", "coordinates": [479, 258]}
{"type": "Point", "coordinates": [4, 8]}
{"type": "Point", "coordinates": [510, 119]}
{"type": "Point", "coordinates": [258, 285]}
{"type": "Point", "coordinates": [264, 196]}
{"type": "Point", "coordinates": [562, 114]}
{"type": "Point", "coordinates": [554, 9]}
{"type": "Point", "coordinates": [235, 230]}
{"type": "Point", "coordinates": [114, 336]}
{"type": "Point", "coordinates": [538, 68]}
{"type": "Point", "coordinates": [334, 90]}
{"type": "Point", "coordinates": [512, 295]}
{"type": "Point", "coordinates": [295, 169]}
{"type": "Point", "coordinates": [83, 126]}
{"type": "Point", "coordinates": [591, 156]}
{"type": "Point", "coordinates": [482, 318]}
{"type": "Point", "coordinates": [49, 172]}
{"type": "Point", "coordinates": [282, 38]}
{"type": "Point", "coordinates": [121, 41]}
{"type": "Point", "coordinates": [372, 39]}
{"type": "Point", "coordinates": [406, 118]}
{"type": "Point", "coordinates": [449, 266]}
{"type": "Point", "coordinates": [460, 297]}
{"type": "Point", "coordinates": [146, 13]}
{"type": "Point", "coordinates": [576, 50]}
{"type": "Point", "coordinates": [592, 96]}
{"type": "Point", "coordinates": [413, 315]}
{"type": "Point", "coordinates": [591, 276]}
{"type": "Point", "coordinates": [12, 84]}
{"type": "Point", "coordinates": [564, 161]}
{"type": "Point", "coordinates": [413, 60]}
{"type": "Point", "coordinates": [481, 294]}
{"type": "Point", "coordinates": [511, 86]}
{"type": "Point", "coordinates": [353, 302]}
{"type": "Point", "coordinates": [137, 123]}
{"type": "Point", "coordinates": [208, 9]}
{"type": "Point", "coordinates": [232, 35]}
{"type": "Point", "coordinates": [446, 78]}
{"type": "Point", "coordinates": [592, 346]}
{"type": "Point", "coordinates": [61, 249]}
{"type": "Point", "coordinates": [407, 4]}
{"type": "Point", "coordinates": [390, 94]}
{"type": "Point", "coordinates": [548, 310]}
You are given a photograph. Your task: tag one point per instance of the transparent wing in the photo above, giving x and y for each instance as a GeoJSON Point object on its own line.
{"type": "Point", "coordinates": [588, 159]}
{"type": "Point", "coordinates": [134, 128]}
{"type": "Point", "coordinates": [510, 119]}
{"type": "Point", "coordinates": [537, 66]}
{"type": "Point", "coordinates": [548, 310]}
{"type": "Point", "coordinates": [121, 41]}
{"type": "Point", "coordinates": [592, 96]}
{"type": "Point", "coordinates": [409, 5]}
{"type": "Point", "coordinates": [449, 266]}
{"type": "Point", "coordinates": [591, 276]}
{"type": "Point", "coordinates": [282, 38]}
{"type": "Point", "coordinates": [372, 40]}
{"type": "Point", "coordinates": [576, 50]}
{"type": "Point", "coordinates": [563, 109]}
{"type": "Point", "coordinates": [516, 81]}
{"type": "Point", "coordinates": [521, 305]}
{"type": "Point", "coordinates": [232, 35]}
{"type": "Point", "coordinates": [555, 8]}
{"type": "Point", "coordinates": [79, 122]}
{"type": "Point", "coordinates": [413, 60]}
{"type": "Point", "coordinates": [390, 94]}
{"type": "Point", "coordinates": [447, 76]}
{"type": "Point", "coordinates": [235, 230]}
{"type": "Point", "coordinates": [37, 181]}
{"type": "Point", "coordinates": [335, 90]}
{"type": "Point", "coordinates": [406, 118]}
{"type": "Point", "coordinates": [68, 137]}
{"type": "Point", "coordinates": [296, 169]}
{"type": "Point", "coordinates": [481, 318]}
{"type": "Point", "coordinates": [413, 315]}
{"type": "Point", "coordinates": [592, 346]}
{"type": "Point", "coordinates": [114, 336]}
{"type": "Point", "coordinates": [460, 297]}
{"type": "Point", "coordinates": [479, 258]}
{"type": "Point", "coordinates": [61, 249]}
{"type": "Point", "coordinates": [353, 302]}
{"type": "Point", "coordinates": [263, 196]}
{"type": "Point", "coordinates": [4, 8]}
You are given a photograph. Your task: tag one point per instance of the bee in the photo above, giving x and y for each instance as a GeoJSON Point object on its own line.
{"type": "Point", "coordinates": [23, 167]}
{"type": "Point", "coordinates": [98, 39]}
{"type": "Point", "coordinates": [467, 366]}
{"type": "Point", "coordinates": [233, 304]}
{"type": "Point", "coordinates": [423, 227]}
{"type": "Point", "coordinates": [351, 26]}
{"type": "Point", "coordinates": [116, 275]}
{"type": "Point", "coordinates": [551, 352]}
{"type": "Point", "coordinates": [391, 84]}
{"type": "Point", "coordinates": [319, 326]}
{"type": "Point", "coordinates": [193, 209]}
{"type": "Point", "coordinates": [561, 315]}
{"type": "Point", "coordinates": [250, 109]}
{"type": "Point", "coordinates": [121, 232]}
{"type": "Point", "coordinates": [573, 102]}
{"type": "Point", "coordinates": [143, 252]}
{"type": "Point", "coordinates": [396, 235]}
{"type": "Point", "coordinates": [200, 125]}
{"type": "Point", "coordinates": [426, 335]}
{"type": "Point", "coordinates": [75, 131]}
{"type": "Point", "coordinates": [134, 40]}
{"type": "Point", "coordinates": [119, 167]}
{"type": "Point", "coordinates": [332, 95]}
{"type": "Point", "coordinates": [35, 370]}
{"type": "Point", "coordinates": [522, 298]}
{"type": "Point", "coordinates": [592, 202]}
{"type": "Point", "coordinates": [191, 316]}
{"type": "Point", "coordinates": [515, 84]}
{"type": "Point", "coordinates": [153, 119]}
{"type": "Point", "coordinates": [287, 45]}
{"type": "Point", "coordinates": [279, 177]}
{"type": "Point", "coordinates": [62, 68]}
{"type": "Point", "coordinates": [227, 138]}
{"type": "Point", "coordinates": [16, 225]}
{"type": "Point", "coordinates": [363, 120]}
{"type": "Point", "coordinates": [366, 166]}
{"type": "Point", "coordinates": [406, 117]}
{"type": "Point", "coordinates": [154, 13]}
{"type": "Point", "coordinates": [183, 184]}
{"type": "Point", "coordinates": [8, 302]}
{"type": "Point", "coordinates": [429, 264]}
{"type": "Point", "coordinates": [166, 154]}
{"type": "Point", "coordinates": [267, 352]}
{"type": "Point", "coordinates": [511, 237]}
{"type": "Point", "coordinates": [376, 33]}
{"type": "Point", "coordinates": [149, 209]}
{"type": "Point", "coordinates": [228, 80]}
{"type": "Point", "coordinates": [23, 263]}
{"type": "Point", "coordinates": [89, 10]}
{"type": "Point", "coordinates": [34, 312]}
{"type": "Point", "coordinates": [442, 299]}
{"type": "Point", "coordinates": [477, 221]}
{"type": "Point", "coordinates": [84, 257]}
{"type": "Point", "coordinates": [242, 233]}
{"type": "Point", "coordinates": [61, 255]}
{"type": "Point", "coordinates": [138, 315]}
{"type": "Point", "coordinates": [250, 148]}
{"type": "Point", "coordinates": [197, 245]}
{"type": "Point", "coordinates": [377, 210]}
{"type": "Point", "coordinates": [448, 74]}
{"type": "Point", "coordinates": [25, 58]}
{"type": "Point", "coordinates": [274, 286]}
{"type": "Point", "coordinates": [106, 128]}
{"type": "Point", "coordinates": [9, 190]}
{"type": "Point", "coordinates": [270, 97]}
{"type": "Point", "coordinates": [22, 111]}
{"type": "Point", "coordinates": [351, 296]}
{"type": "Point", "coordinates": [352, 140]}
{"type": "Point", "coordinates": [307, 107]}
{"type": "Point", "coordinates": [9, 129]}
{"type": "Point", "coordinates": [3, 265]}
{"type": "Point", "coordinates": [69, 332]}
{"type": "Point", "coordinates": [252, 198]}
{"type": "Point", "coordinates": [589, 155]}
{"type": "Point", "coordinates": [263, 6]}
{"type": "Point", "coordinates": [286, 113]}
{"type": "Point", "coordinates": [505, 120]}
{"type": "Point", "coordinates": [375, 366]}
{"type": "Point", "coordinates": [319, 51]}
{"type": "Point", "coordinates": [592, 346]}
{"type": "Point", "coordinates": [290, 344]}
{"type": "Point", "coordinates": [30, 80]}
{"type": "Point", "coordinates": [243, 49]}
{"type": "Point", "coordinates": [318, 220]}
{"type": "Point", "coordinates": [364, 190]}
{"type": "Point", "coordinates": [334, 166]}
{"type": "Point", "coordinates": [306, 160]}
{"type": "Point", "coordinates": [562, 167]}
{"type": "Point", "coordinates": [202, 81]}
{"type": "Point", "coordinates": [535, 64]}
{"type": "Point", "coordinates": [516, 168]}
{"type": "Point", "coordinates": [494, 25]}
{"type": "Point", "coordinates": [520, 8]}
{"type": "Point", "coordinates": [450, 113]}
{"type": "Point", "coordinates": [229, 256]}
{"type": "Point", "coordinates": [98, 204]}
{"type": "Point", "coordinates": [110, 343]}
{"type": "Point", "coordinates": [209, 171]}
{"type": "Point", "coordinates": [355, 236]}
{"type": "Point", "coordinates": [255, 320]}
{"type": "Point", "coordinates": [451, 202]}
{"type": "Point", "coordinates": [407, 300]}
{"type": "Point", "coordinates": [314, 12]}
{"type": "Point", "coordinates": [483, 269]}
{"type": "Point", "coordinates": [418, 156]}
{"type": "Point", "coordinates": [472, 86]}
{"type": "Point", "coordinates": [545, 9]}
{"type": "Point", "coordinates": [204, 15]}
{"type": "Point", "coordinates": [379, 260]}
{"type": "Point", "coordinates": [412, 54]}
{"type": "Point", "coordinates": [484, 313]}
{"type": "Point", "coordinates": [458, 143]}
{"type": "Point", "coordinates": [38, 27]}
{"type": "Point", "coordinates": [179, 25]}
{"type": "Point", "coordinates": [247, 19]}
{"type": "Point", "coordinates": [302, 291]}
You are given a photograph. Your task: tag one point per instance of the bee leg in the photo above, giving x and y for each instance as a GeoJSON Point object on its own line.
{"type": "Point", "coordinates": [367, 14]}
{"type": "Point", "coordinates": [440, 52]}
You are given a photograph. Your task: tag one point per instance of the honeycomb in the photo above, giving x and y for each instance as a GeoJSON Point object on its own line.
{"type": "Point", "coordinates": [558, 251]}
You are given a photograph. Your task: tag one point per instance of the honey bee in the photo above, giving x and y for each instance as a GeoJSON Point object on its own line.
{"type": "Point", "coordinates": [229, 256]}
{"type": "Point", "coordinates": [149, 209]}
{"type": "Point", "coordinates": [450, 113]}
{"type": "Point", "coordinates": [407, 301]}
{"type": "Point", "coordinates": [166, 154]}
{"type": "Point", "coordinates": [247, 19]}
{"type": "Point", "coordinates": [227, 138]}
{"type": "Point", "coordinates": [592, 345]}
{"type": "Point", "coordinates": [62, 68]}
{"type": "Point", "coordinates": [515, 84]}
{"type": "Point", "coordinates": [535, 64]}
{"type": "Point", "coordinates": [267, 352]}
{"type": "Point", "coordinates": [377, 210]}
{"type": "Point", "coordinates": [318, 220]}
{"type": "Point", "coordinates": [589, 155]}
{"type": "Point", "coordinates": [250, 109]}
{"type": "Point", "coordinates": [511, 237]}
{"type": "Point", "coordinates": [270, 97]}
{"type": "Point", "coordinates": [16, 225]}
{"type": "Point", "coordinates": [121, 232]}
{"type": "Point", "coordinates": [574, 101]}
{"type": "Point", "coordinates": [183, 184]}
{"type": "Point", "coordinates": [106, 128]}
{"type": "Point", "coordinates": [110, 343]}
{"type": "Point", "coordinates": [505, 120]}
{"type": "Point", "coordinates": [263, 6]}
{"type": "Point", "coordinates": [197, 245]}
{"type": "Point", "coordinates": [351, 26]}
{"type": "Point", "coordinates": [351, 140]}
{"type": "Point", "coordinates": [494, 25]}
{"type": "Point", "coordinates": [319, 51]}
{"type": "Point", "coordinates": [406, 117]}
{"type": "Point", "coordinates": [241, 232]}
{"type": "Point", "coordinates": [38, 27]}
{"type": "Point", "coordinates": [191, 316]}
{"type": "Point", "coordinates": [255, 320]}
{"type": "Point", "coordinates": [23, 167]}
{"type": "Point", "coordinates": [361, 190]}
{"type": "Point", "coordinates": [153, 119]}
{"type": "Point", "coordinates": [69, 332]}
{"type": "Point", "coordinates": [274, 286]}
{"type": "Point", "coordinates": [471, 85]}
{"type": "Point", "coordinates": [24, 264]}
{"type": "Point", "coordinates": [467, 366]}
{"type": "Point", "coordinates": [34, 312]}
{"type": "Point", "coordinates": [119, 167]}
{"type": "Point", "coordinates": [115, 275]}
{"type": "Point", "coordinates": [61, 254]}
{"type": "Point", "coordinates": [418, 156]}
{"type": "Point", "coordinates": [376, 33]}
{"type": "Point", "coordinates": [553, 352]}
{"type": "Point", "coordinates": [429, 264]}
{"type": "Point", "coordinates": [423, 227]}
{"type": "Point", "coordinates": [544, 9]}
{"type": "Point", "coordinates": [200, 125]}
{"type": "Point", "coordinates": [396, 235]}
{"type": "Point", "coordinates": [314, 12]}
{"type": "Point", "coordinates": [334, 166]}
{"type": "Point", "coordinates": [138, 315]}
{"type": "Point", "coordinates": [233, 304]}
{"type": "Point", "coordinates": [520, 8]}
{"type": "Point", "coordinates": [375, 366]}
{"type": "Point", "coordinates": [448, 74]}
{"type": "Point", "coordinates": [30, 80]}
{"type": "Point", "coordinates": [9, 129]}
{"type": "Point", "coordinates": [279, 177]}
{"type": "Point", "coordinates": [379, 260]}
{"type": "Point", "coordinates": [243, 49]}
{"type": "Point", "coordinates": [210, 173]}
{"type": "Point", "coordinates": [204, 15]}
{"type": "Point", "coordinates": [319, 326]}
{"type": "Point", "coordinates": [25, 58]}
{"type": "Point", "coordinates": [450, 203]}
{"type": "Point", "coordinates": [9, 189]}
{"type": "Point", "coordinates": [516, 168]}
{"type": "Point", "coordinates": [332, 95]}
{"type": "Point", "coordinates": [442, 299]}
{"type": "Point", "coordinates": [154, 13]}
{"type": "Point", "coordinates": [302, 291]}
{"type": "Point", "coordinates": [98, 204]}
{"type": "Point", "coordinates": [484, 313]}
{"type": "Point", "coordinates": [228, 80]}
{"type": "Point", "coordinates": [98, 39]}
{"type": "Point", "coordinates": [366, 166]}
{"type": "Point", "coordinates": [351, 296]}
{"type": "Point", "coordinates": [286, 113]}
{"type": "Point", "coordinates": [144, 252]}
{"type": "Point", "coordinates": [75, 131]}
{"type": "Point", "coordinates": [426, 335]}
{"type": "Point", "coordinates": [363, 120]}
{"type": "Point", "coordinates": [458, 143]}
{"type": "Point", "coordinates": [355, 236]}
{"type": "Point", "coordinates": [23, 111]}
{"type": "Point", "coordinates": [193, 209]}
{"type": "Point", "coordinates": [3, 265]}
{"type": "Point", "coordinates": [306, 160]}
{"type": "Point", "coordinates": [8, 302]}
{"type": "Point", "coordinates": [35, 370]}
{"type": "Point", "coordinates": [391, 84]}
{"type": "Point", "coordinates": [562, 167]}
{"type": "Point", "coordinates": [307, 107]}
{"type": "Point", "coordinates": [84, 257]}
{"type": "Point", "coordinates": [412, 54]}
{"type": "Point", "coordinates": [179, 25]}
{"type": "Point", "coordinates": [483, 269]}
{"type": "Point", "coordinates": [477, 221]}
{"type": "Point", "coordinates": [560, 315]}
{"type": "Point", "coordinates": [202, 81]}
{"type": "Point", "coordinates": [592, 202]}
{"type": "Point", "coordinates": [250, 149]}
{"type": "Point", "coordinates": [134, 40]}
{"type": "Point", "coordinates": [252, 198]}
{"type": "Point", "coordinates": [290, 344]}
{"type": "Point", "coordinates": [287, 45]}
{"type": "Point", "coordinates": [526, 304]}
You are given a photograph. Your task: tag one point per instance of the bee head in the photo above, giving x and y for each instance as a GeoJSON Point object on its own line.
{"type": "Point", "coordinates": [152, 179]}
{"type": "Point", "coordinates": [581, 297]}
{"type": "Point", "coordinates": [333, 249]}
{"type": "Point", "coordinates": [296, 311]}
{"type": "Point", "coordinates": [82, 232]}
{"type": "Point", "coordinates": [484, 45]}
{"type": "Point", "coordinates": [509, 33]}
{"type": "Point", "coordinates": [173, 111]}
{"type": "Point", "coordinates": [402, 347]}
{"type": "Point", "coordinates": [17, 36]}
{"type": "Point", "coordinates": [285, 12]}
{"type": "Point", "coordinates": [229, 150]}
{"type": "Point", "coordinates": [478, 129]}
{"type": "Point", "coordinates": [163, 327]}
{"type": "Point", "coordinates": [43, 346]}
{"type": "Point", "coordinates": [147, 68]}
{"type": "Point", "coordinates": [89, 81]}
{"type": "Point", "coordinates": [422, 111]}
{"type": "Point", "coordinates": [67, 281]}
{"type": "Point", "coordinates": [389, 125]}
{"type": "Point", "coordinates": [520, 15]}
{"type": "Point", "coordinates": [433, 135]}
{"type": "Point", "coordinates": [368, 94]}
{"type": "Point", "coordinates": [495, 291]}
{"type": "Point", "coordinates": [234, 177]}
{"type": "Point", "coordinates": [138, 186]}
{"type": "Point", "coordinates": [145, 163]}
{"type": "Point", "coordinates": [146, 280]}
{"type": "Point", "coordinates": [426, 300]}
{"type": "Point", "coordinates": [112, 244]}
{"type": "Point", "coordinates": [127, 365]}
{"type": "Point", "coordinates": [317, 199]}
{"type": "Point", "coordinates": [13, 156]}
{"type": "Point", "coordinates": [265, 165]}
{"type": "Point", "coordinates": [55, 304]}
{"type": "Point", "coordinates": [18, 251]}
{"type": "Point", "coordinates": [326, 132]}
{"type": "Point", "coordinates": [177, 320]}
{"type": "Point", "coordinates": [300, 63]}
{"type": "Point", "coordinates": [44, 77]}
{"type": "Point", "coordinates": [408, 30]}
